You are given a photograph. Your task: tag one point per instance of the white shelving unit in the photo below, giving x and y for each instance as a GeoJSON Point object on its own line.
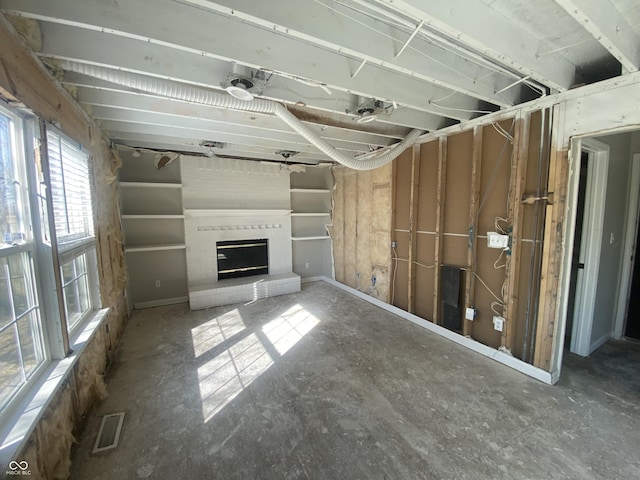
{"type": "Point", "coordinates": [311, 213]}
{"type": "Point", "coordinates": [153, 221]}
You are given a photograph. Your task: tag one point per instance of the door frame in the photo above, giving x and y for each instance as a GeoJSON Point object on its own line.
{"type": "Point", "coordinates": [629, 249]}
{"type": "Point", "coordinates": [595, 203]}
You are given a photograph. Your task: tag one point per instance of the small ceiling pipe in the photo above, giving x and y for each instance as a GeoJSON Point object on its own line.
{"type": "Point", "coordinates": [203, 96]}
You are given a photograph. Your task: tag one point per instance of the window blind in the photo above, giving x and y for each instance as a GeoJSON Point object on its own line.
{"type": "Point", "coordinates": [70, 191]}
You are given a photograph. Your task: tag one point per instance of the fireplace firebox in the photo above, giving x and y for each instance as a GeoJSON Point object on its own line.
{"type": "Point", "coordinates": [242, 258]}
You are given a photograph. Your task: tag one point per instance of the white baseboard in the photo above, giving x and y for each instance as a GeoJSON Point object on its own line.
{"type": "Point", "coordinates": [312, 279]}
{"type": "Point", "coordinates": [478, 347]}
{"type": "Point", "coordinates": [160, 303]}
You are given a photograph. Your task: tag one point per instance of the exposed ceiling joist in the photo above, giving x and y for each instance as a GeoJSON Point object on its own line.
{"type": "Point", "coordinates": [211, 34]}
{"type": "Point", "coordinates": [221, 131]}
{"type": "Point", "coordinates": [202, 133]}
{"type": "Point", "coordinates": [121, 104]}
{"type": "Point", "coordinates": [169, 143]}
{"type": "Point", "coordinates": [609, 27]}
{"type": "Point", "coordinates": [71, 43]}
{"type": "Point", "coordinates": [368, 37]}
{"type": "Point", "coordinates": [405, 64]}
{"type": "Point", "coordinates": [481, 28]}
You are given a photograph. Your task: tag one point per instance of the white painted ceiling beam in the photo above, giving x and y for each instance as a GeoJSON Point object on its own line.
{"type": "Point", "coordinates": [64, 42]}
{"type": "Point", "coordinates": [477, 25]}
{"type": "Point", "coordinates": [342, 27]}
{"type": "Point", "coordinates": [111, 126]}
{"type": "Point", "coordinates": [90, 95]}
{"type": "Point", "coordinates": [211, 34]}
{"type": "Point", "coordinates": [602, 20]}
{"type": "Point", "coordinates": [217, 128]}
{"type": "Point", "coordinates": [92, 91]}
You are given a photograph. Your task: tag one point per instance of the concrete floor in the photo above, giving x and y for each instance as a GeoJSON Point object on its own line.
{"type": "Point", "coordinates": [322, 385]}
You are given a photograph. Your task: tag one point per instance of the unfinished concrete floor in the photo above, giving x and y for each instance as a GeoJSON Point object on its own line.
{"type": "Point", "coordinates": [322, 385]}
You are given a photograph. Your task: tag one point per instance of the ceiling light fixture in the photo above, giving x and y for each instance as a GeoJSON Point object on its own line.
{"type": "Point", "coordinates": [367, 116]}
{"type": "Point", "coordinates": [239, 88]}
{"type": "Point", "coordinates": [368, 110]}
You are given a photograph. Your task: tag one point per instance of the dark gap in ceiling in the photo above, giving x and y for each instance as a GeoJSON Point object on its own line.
{"type": "Point", "coordinates": [598, 70]}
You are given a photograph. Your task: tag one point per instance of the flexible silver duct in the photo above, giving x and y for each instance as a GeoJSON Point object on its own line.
{"type": "Point", "coordinates": [188, 93]}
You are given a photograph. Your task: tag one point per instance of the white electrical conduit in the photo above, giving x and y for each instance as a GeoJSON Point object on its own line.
{"type": "Point", "coordinates": [188, 93]}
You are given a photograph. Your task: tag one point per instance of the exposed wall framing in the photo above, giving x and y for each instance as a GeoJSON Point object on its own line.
{"type": "Point", "coordinates": [447, 194]}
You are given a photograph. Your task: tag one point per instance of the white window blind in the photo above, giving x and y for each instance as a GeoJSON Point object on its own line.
{"type": "Point", "coordinates": [70, 190]}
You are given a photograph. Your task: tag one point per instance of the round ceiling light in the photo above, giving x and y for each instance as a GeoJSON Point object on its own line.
{"type": "Point", "coordinates": [239, 88]}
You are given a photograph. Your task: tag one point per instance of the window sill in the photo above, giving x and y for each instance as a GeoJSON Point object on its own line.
{"type": "Point", "coordinates": [25, 415]}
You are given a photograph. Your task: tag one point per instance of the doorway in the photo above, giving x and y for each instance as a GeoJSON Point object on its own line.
{"type": "Point", "coordinates": [585, 265]}
{"type": "Point", "coordinates": [628, 318]}
{"type": "Point", "coordinates": [576, 265]}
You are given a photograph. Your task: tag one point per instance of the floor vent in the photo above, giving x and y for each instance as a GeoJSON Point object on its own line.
{"type": "Point", "coordinates": [109, 433]}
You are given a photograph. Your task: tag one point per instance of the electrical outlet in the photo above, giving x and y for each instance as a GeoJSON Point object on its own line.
{"type": "Point", "coordinates": [394, 244]}
{"type": "Point", "coordinates": [498, 323]}
{"type": "Point", "coordinates": [158, 284]}
{"type": "Point", "coordinates": [470, 313]}
{"type": "Point", "coordinates": [496, 240]}
{"type": "Point", "coordinates": [306, 265]}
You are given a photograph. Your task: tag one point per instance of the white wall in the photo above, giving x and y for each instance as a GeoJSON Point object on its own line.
{"type": "Point", "coordinates": [233, 184]}
{"type": "Point", "coordinates": [614, 225]}
{"type": "Point", "coordinates": [226, 199]}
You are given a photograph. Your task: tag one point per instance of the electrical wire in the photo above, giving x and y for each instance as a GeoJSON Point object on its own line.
{"type": "Point", "coordinates": [498, 299]}
{"type": "Point", "coordinates": [495, 264]}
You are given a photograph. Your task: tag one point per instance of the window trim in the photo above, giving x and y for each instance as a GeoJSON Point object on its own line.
{"type": "Point", "coordinates": [28, 246]}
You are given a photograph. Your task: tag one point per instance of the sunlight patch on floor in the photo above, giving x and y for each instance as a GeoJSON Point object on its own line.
{"type": "Point", "coordinates": [215, 331]}
{"type": "Point", "coordinates": [246, 355]}
{"type": "Point", "coordinates": [225, 376]}
{"type": "Point", "coordinates": [289, 328]}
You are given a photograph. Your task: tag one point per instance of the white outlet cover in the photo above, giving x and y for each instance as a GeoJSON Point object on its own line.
{"type": "Point", "coordinates": [497, 240]}
{"type": "Point", "coordinates": [498, 323]}
{"type": "Point", "coordinates": [470, 314]}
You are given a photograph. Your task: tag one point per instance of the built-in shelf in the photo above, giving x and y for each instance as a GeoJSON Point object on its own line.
{"type": "Point", "coordinates": [150, 185]}
{"type": "Point", "coordinates": [309, 190]}
{"type": "Point", "coordinates": [158, 217]}
{"type": "Point", "coordinates": [154, 248]}
{"type": "Point", "coordinates": [312, 214]}
{"type": "Point", "coordinates": [303, 239]}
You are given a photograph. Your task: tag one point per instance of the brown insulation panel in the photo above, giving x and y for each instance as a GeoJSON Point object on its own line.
{"type": "Point", "coordinates": [361, 229]}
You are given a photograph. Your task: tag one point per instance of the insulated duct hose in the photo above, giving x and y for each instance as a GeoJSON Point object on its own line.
{"type": "Point", "coordinates": [203, 96]}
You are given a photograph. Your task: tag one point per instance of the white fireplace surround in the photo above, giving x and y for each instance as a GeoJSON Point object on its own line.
{"type": "Point", "coordinates": [205, 227]}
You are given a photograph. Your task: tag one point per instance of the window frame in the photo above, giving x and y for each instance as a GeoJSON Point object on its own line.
{"type": "Point", "coordinates": [56, 342]}
{"type": "Point", "coordinates": [26, 246]}
{"type": "Point", "coordinates": [86, 245]}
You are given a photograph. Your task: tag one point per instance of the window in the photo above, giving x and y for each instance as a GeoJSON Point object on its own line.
{"type": "Point", "coordinates": [71, 191]}
{"type": "Point", "coordinates": [73, 217]}
{"type": "Point", "coordinates": [22, 347]}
